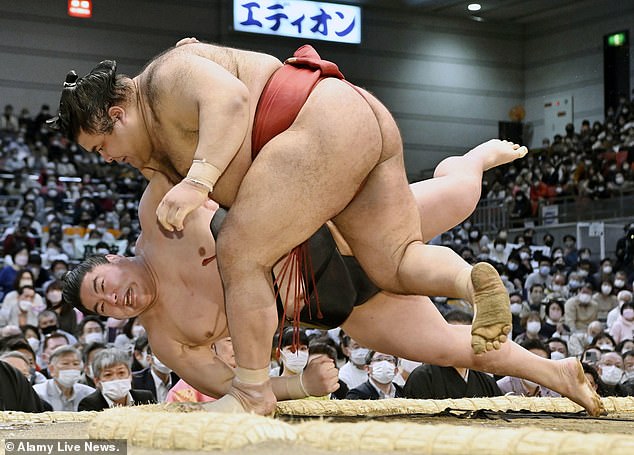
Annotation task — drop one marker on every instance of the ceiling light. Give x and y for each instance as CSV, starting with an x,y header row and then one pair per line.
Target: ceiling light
x,y
474,7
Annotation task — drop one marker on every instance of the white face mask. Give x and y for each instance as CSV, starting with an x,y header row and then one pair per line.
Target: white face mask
x,y
137,330
143,361
25,305
21,260
34,343
55,296
607,269
160,366
584,298
294,362
606,289
606,347
533,326
611,374
68,378
383,371
93,337
116,389
358,356
619,283
556,355
516,308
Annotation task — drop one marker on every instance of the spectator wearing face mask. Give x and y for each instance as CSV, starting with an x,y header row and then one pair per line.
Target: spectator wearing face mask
x,y
558,348
541,276
59,267
579,341
620,281
614,314
91,330
516,270
553,325
581,309
606,300
129,333
18,260
623,328
158,378
611,371
48,323
88,354
381,370
519,309
627,381
293,358
532,324
353,372
558,287
63,391
499,253
441,382
510,385
23,305
605,273
67,316
604,342
113,380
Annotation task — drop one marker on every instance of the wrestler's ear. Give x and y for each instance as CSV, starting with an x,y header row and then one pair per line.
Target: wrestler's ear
x,y
114,258
117,113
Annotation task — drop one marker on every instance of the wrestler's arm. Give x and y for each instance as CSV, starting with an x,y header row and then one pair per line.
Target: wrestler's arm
x,y
207,100
201,368
220,101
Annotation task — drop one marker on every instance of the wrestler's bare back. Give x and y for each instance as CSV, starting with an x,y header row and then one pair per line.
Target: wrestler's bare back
x,y
174,118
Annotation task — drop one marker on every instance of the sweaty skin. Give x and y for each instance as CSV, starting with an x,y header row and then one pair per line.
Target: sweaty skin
x,y
197,101
184,315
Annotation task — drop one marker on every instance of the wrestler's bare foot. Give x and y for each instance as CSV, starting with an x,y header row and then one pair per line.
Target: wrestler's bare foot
x,y
575,386
492,309
250,398
496,153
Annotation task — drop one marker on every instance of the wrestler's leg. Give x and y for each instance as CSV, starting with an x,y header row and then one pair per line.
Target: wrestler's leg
x,y
411,267
411,327
300,179
454,192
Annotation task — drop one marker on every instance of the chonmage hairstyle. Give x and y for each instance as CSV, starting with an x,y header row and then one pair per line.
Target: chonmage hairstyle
x,y
85,101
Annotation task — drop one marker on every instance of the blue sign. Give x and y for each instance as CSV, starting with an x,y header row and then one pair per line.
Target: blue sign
x,y
299,19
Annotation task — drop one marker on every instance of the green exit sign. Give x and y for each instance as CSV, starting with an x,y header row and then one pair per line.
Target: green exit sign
x,y
616,40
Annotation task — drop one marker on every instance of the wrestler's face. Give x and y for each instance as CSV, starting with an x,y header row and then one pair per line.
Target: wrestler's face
x,y
124,144
121,289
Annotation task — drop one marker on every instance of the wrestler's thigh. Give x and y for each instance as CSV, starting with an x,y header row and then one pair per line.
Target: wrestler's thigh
x,y
381,222
304,176
410,327
440,205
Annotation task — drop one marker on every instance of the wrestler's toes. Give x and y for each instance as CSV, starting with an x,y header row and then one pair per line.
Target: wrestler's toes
x,y
477,344
502,338
496,345
489,346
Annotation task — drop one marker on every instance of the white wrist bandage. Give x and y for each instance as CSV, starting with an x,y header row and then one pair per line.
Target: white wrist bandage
x,y
203,173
